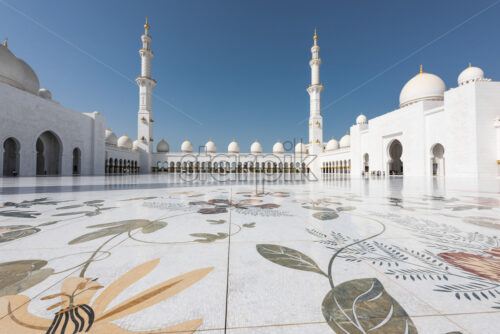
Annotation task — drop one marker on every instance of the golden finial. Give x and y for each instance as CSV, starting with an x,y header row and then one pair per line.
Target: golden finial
x,y
5,41
146,26
470,65
315,35
421,70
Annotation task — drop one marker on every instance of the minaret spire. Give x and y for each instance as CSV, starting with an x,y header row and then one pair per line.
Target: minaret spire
x,y
315,89
146,85
146,27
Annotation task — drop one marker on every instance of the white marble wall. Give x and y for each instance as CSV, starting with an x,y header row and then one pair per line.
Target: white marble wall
x,y
25,116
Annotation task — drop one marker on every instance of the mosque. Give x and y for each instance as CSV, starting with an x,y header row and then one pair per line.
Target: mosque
x,y
435,132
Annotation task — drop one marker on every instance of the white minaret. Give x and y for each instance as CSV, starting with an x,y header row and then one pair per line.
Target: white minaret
x,y
146,85
315,89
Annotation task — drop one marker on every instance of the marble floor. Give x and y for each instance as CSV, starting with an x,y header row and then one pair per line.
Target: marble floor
x,y
162,254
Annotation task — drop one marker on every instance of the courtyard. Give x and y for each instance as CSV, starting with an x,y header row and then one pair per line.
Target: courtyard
x,y
168,254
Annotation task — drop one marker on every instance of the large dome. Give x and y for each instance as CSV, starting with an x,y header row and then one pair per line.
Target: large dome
x,y
233,147
422,87
278,148
300,148
361,119
256,148
210,147
45,94
345,141
332,145
15,72
111,138
187,147
470,74
125,142
135,145
162,146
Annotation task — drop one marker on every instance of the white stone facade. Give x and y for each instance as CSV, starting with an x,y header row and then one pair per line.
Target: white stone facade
x,y
435,132
24,117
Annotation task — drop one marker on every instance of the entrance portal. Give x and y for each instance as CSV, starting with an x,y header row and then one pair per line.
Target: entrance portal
x,y
48,154
76,161
437,160
395,153
10,157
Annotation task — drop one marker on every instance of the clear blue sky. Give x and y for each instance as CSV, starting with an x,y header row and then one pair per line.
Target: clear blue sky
x,y
240,68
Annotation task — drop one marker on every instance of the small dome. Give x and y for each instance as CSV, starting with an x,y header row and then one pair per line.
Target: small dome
x,y
162,146
125,142
470,74
256,147
111,138
45,94
278,148
16,73
345,141
361,119
135,145
233,147
332,144
300,148
187,147
210,147
422,87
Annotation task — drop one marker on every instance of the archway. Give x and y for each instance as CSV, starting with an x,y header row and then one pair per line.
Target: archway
x,y
48,154
77,154
395,163
366,163
437,160
11,157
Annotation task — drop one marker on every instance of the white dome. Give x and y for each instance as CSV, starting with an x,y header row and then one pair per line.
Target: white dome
x,y
332,144
300,148
186,146
256,147
423,86
135,145
278,148
45,94
470,74
111,138
361,119
162,146
15,72
125,142
233,147
345,141
210,147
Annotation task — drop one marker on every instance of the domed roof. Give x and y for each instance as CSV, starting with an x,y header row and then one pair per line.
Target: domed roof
x,y
111,138
135,145
15,72
162,146
278,148
345,141
361,119
470,74
233,147
423,86
300,148
186,146
45,94
332,144
125,142
256,147
210,147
